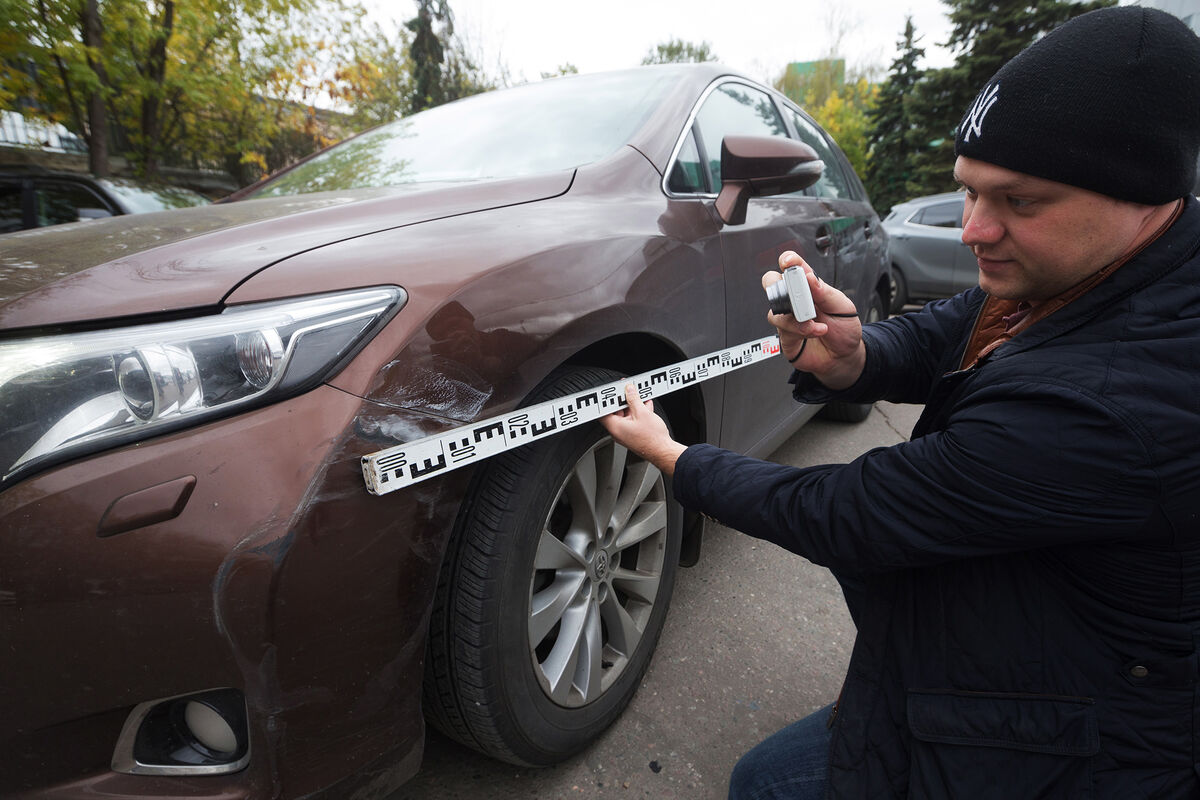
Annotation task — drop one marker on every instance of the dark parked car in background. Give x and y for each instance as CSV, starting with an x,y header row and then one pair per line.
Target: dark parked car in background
x,y
198,596
929,260
35,198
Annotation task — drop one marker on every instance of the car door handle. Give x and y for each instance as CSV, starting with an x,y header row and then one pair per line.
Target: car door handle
x,y
867,231
824,240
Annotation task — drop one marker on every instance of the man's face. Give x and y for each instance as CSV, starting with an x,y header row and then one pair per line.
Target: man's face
x,y
1033,239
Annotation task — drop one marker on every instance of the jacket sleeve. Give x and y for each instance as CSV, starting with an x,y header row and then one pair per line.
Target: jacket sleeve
x,y
927,343
1019,466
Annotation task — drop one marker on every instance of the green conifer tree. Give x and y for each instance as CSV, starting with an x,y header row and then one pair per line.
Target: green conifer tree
x,y
427,51
890,139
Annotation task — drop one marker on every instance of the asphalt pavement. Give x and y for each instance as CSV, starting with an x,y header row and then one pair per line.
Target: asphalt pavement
x,y
756,638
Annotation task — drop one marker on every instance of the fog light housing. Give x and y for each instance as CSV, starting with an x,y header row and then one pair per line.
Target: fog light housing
x,y
195,734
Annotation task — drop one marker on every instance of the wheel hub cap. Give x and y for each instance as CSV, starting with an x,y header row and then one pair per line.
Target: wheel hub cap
x,y
601,568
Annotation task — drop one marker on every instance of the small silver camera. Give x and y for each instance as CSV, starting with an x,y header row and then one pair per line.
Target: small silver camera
x,y
791,295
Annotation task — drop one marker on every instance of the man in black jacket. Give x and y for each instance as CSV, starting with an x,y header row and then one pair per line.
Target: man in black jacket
x,y
1024,573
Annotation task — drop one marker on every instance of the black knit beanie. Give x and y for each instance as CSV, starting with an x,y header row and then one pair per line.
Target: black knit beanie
x,y
1109,101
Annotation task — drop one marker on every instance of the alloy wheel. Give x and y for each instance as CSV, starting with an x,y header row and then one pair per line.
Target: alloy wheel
x,y
599,562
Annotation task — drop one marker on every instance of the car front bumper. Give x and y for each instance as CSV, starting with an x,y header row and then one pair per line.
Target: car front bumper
x,y
245,553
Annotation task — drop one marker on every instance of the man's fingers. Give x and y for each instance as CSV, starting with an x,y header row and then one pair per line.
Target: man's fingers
x,y
636,406
632,400
828,298
790,258
786,322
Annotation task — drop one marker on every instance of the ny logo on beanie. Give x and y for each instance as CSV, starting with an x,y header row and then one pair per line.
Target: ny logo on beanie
x,y
983,104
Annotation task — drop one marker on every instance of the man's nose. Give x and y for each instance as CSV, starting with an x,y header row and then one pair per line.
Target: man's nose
x,y
980,226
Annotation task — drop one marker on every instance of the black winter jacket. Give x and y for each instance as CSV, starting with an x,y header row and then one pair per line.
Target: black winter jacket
x,y
1030,560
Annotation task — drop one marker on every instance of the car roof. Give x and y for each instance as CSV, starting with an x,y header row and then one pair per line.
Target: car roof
x,y
925,200
933,198
38,171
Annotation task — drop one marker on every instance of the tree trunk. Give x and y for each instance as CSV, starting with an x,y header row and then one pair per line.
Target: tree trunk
x,y
152,106
97,112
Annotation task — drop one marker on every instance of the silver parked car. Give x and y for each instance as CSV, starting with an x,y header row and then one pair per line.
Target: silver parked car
x,y
929,259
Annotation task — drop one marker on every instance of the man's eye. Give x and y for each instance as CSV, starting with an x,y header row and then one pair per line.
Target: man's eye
x,y
1019,202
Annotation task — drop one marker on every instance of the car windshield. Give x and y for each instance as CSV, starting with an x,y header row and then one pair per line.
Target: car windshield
x,y
141,198
540,127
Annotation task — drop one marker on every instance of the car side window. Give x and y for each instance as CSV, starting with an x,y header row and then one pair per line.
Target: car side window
x,y
687,174
942,215
833,182
738,110
11,216
57,202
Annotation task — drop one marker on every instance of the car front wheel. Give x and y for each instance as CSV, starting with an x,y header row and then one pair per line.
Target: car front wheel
x,y
553,594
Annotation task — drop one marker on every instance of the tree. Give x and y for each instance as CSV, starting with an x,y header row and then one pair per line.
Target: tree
x,y
463,76
161,71
838,101
988,33
48,63
677,51
890,137
840,106
844,116
427,51
233,84
812,83
563,69
985,34
97,111
241,85
442,70
374,82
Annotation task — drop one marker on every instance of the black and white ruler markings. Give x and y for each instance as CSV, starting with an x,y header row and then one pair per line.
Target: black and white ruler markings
x,y
412,462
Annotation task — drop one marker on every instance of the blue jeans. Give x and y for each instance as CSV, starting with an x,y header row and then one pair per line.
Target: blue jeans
x,y
792,764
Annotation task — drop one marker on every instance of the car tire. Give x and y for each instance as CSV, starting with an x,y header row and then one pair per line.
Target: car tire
x,y
855,412
899,290
553,592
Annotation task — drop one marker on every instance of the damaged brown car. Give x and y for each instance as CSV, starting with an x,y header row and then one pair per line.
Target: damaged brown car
x,y
198,596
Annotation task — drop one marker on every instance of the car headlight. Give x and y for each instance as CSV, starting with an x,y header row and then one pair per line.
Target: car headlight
x,y
66,394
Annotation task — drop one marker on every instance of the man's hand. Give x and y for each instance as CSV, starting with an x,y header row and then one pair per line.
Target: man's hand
x,y
644,432
829,346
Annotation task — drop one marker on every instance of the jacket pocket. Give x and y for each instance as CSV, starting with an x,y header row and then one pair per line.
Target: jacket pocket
x,y
980,745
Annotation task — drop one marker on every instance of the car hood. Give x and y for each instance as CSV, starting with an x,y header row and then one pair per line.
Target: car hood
x,y
194,257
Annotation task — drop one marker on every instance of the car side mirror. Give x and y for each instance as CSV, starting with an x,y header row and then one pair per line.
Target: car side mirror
x,y
760,166
92,213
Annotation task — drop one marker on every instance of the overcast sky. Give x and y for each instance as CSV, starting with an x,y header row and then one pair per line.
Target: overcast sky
x,y
758,37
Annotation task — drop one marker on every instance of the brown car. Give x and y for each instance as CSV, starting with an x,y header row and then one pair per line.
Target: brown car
x,y
198,596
